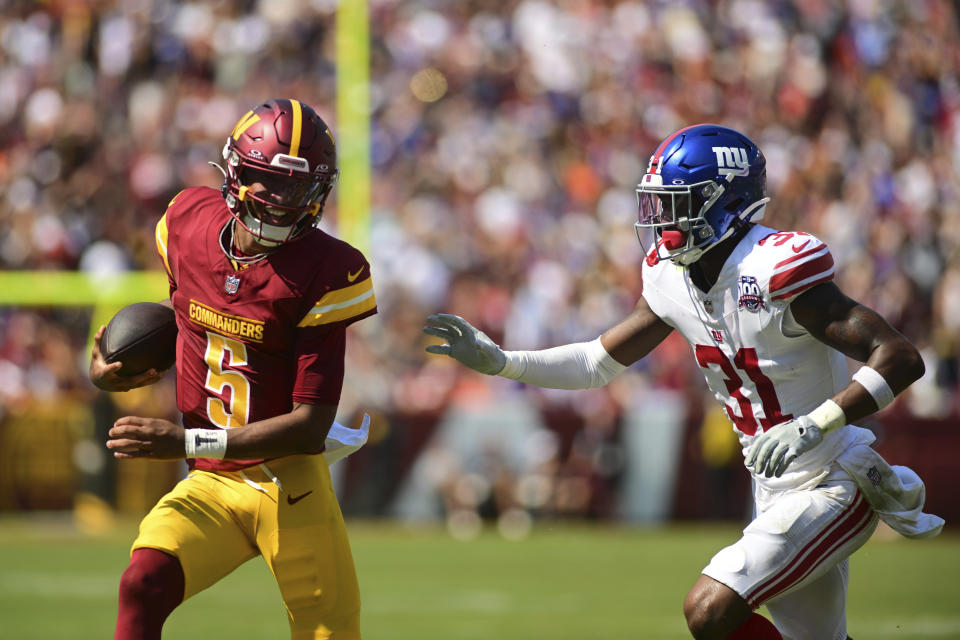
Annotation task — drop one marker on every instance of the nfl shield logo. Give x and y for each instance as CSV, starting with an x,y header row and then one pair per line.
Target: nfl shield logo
x,y
874,476
232,284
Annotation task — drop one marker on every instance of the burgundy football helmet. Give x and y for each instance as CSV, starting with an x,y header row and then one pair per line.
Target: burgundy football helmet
x,y
281,166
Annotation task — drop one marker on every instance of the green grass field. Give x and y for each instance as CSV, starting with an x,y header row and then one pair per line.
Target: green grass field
x,y
561,583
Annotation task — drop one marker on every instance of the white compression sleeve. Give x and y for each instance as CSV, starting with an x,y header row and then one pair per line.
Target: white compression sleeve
x,y
583,365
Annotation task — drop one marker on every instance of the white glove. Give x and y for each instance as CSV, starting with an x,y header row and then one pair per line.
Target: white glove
x,y
465,343
776,448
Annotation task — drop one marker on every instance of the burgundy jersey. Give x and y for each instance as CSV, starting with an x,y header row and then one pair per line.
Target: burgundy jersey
x,y
254,339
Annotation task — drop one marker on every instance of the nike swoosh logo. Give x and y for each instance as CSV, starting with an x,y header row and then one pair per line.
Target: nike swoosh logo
x,y
292,500
353,276
797,249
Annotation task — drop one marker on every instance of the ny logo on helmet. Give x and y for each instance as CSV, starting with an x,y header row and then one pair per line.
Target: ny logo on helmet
x,y
732,161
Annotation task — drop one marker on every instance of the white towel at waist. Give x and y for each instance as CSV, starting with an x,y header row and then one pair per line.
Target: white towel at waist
x,y
896,493
342,441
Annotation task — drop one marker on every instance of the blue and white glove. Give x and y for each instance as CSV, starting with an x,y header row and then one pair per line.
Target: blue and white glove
x,y
776,448
465,343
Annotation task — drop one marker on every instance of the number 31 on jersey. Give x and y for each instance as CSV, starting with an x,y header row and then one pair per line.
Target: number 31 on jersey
x,y
746,360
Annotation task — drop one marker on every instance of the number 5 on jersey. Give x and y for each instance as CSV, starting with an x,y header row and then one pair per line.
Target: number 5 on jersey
x,y
220,378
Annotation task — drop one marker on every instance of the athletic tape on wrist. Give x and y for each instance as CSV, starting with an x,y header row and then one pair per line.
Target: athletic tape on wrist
x,y
828,416
205,443
876,386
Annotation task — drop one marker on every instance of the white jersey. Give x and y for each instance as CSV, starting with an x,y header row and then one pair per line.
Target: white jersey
x,y
758,361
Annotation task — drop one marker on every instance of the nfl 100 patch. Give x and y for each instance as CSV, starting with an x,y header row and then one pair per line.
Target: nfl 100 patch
x,y
751,298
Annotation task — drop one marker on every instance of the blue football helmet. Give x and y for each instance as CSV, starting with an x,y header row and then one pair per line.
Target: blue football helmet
x,y
703,181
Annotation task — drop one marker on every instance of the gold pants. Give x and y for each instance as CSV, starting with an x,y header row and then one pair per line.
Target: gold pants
x,y
285,511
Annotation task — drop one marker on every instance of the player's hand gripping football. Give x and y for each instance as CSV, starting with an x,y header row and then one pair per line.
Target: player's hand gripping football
x,y
134,437
104,374
776,448
465,343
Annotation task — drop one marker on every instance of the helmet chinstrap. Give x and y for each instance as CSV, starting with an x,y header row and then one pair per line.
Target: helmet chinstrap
x,y
227,245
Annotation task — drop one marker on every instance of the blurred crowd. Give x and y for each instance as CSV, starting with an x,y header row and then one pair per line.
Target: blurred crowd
x,y
507,139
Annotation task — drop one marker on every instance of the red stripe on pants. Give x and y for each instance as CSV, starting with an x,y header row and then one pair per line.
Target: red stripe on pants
x,y
845,527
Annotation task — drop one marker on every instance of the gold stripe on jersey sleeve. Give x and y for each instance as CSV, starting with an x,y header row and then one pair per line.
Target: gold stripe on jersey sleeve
x,y
245,123
161,235
297,127
342,304
174,198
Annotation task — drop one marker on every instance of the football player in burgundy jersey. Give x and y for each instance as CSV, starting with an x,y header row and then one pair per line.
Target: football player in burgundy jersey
x,y
262,300
771,332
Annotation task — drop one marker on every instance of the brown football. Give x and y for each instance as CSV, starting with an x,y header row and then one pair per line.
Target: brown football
x,y
142,336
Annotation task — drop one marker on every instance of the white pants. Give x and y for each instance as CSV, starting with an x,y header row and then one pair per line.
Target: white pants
x,y
793,556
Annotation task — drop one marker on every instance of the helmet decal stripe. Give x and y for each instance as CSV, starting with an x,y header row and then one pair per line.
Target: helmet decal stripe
x,y
240,122
656,160
297,127
245,123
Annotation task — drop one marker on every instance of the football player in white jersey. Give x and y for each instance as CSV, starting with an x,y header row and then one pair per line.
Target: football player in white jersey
x,y
771,331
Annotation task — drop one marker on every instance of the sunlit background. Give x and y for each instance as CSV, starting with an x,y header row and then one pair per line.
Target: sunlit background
x,y
505,141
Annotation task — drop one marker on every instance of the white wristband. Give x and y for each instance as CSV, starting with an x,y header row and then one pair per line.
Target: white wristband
x,y
205,443
876,386
828,416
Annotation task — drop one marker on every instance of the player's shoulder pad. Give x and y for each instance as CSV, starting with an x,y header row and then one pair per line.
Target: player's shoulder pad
x,y
790,262
343,288
189,200
168,226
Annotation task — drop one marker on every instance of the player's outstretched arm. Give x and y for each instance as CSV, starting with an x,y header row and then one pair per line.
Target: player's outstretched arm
x,y
581,365
636,335
302,430
892,364
104,375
